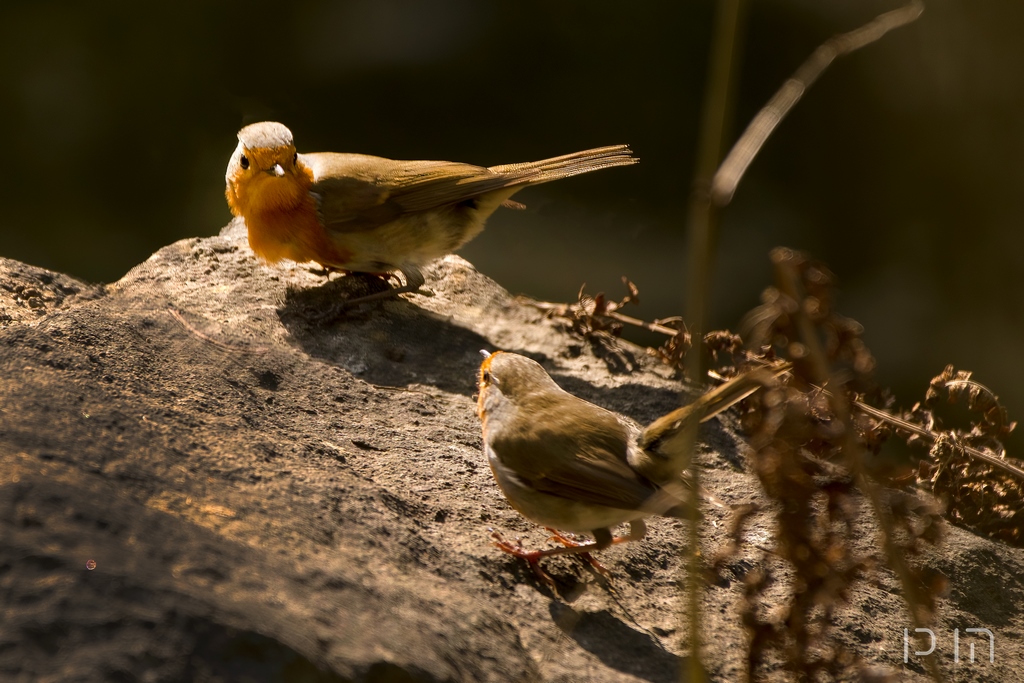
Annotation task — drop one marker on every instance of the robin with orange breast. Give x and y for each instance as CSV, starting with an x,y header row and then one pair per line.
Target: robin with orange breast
x,y
362,213
573,466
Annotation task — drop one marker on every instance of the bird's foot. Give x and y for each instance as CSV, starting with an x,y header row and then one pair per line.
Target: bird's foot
x,y
414,280
325,271
517,550
569,541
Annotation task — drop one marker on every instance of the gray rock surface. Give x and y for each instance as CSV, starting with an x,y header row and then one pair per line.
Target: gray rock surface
x,y
275,490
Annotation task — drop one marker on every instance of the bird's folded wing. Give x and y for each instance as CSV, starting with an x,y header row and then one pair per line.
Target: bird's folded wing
x,y
358,192
573,466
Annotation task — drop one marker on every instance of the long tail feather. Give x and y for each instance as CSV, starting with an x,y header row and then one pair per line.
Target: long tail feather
x,y
566,166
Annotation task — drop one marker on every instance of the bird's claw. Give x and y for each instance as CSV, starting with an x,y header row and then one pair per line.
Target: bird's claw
x,y
568,539
516,549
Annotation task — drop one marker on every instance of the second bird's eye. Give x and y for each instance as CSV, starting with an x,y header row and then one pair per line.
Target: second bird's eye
x,y
244,161
295,159
487,377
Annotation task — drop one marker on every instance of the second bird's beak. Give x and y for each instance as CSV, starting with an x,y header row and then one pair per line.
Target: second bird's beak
x,y
276,170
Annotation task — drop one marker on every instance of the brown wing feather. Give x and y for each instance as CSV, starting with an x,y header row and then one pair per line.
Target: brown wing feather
x,y
598,474
359,192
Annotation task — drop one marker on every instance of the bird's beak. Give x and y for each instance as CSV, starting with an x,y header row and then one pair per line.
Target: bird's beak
x,y
276,170
486,354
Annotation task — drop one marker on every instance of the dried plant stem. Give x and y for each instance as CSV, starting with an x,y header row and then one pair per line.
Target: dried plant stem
x,y
932,436
563,309
702,224
789,284
731,171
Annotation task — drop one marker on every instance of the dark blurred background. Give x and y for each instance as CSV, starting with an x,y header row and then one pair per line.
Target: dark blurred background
x,y
901,168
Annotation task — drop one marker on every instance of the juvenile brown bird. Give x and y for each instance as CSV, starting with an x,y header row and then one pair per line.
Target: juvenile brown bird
x,y
571,465
368,214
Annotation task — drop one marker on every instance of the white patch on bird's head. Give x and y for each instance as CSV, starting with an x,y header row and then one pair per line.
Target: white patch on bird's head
x,y
264,172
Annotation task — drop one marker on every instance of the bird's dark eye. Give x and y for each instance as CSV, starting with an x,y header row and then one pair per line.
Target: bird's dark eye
x,y
486,377
244,161
295,159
